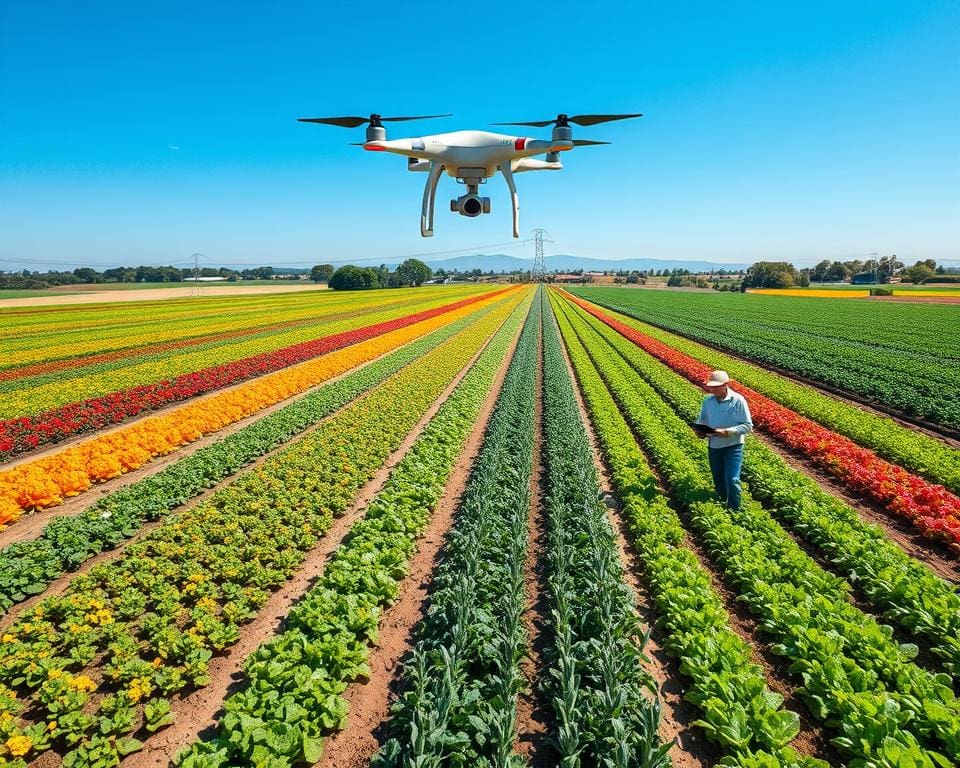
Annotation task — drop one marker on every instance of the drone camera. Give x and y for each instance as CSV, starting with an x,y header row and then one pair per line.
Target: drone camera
x,y
470,205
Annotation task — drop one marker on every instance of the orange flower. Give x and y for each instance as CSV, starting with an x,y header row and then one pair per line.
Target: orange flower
x,y
44,482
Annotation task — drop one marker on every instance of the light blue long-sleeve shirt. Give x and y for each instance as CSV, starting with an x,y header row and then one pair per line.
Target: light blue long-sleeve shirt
x,y
732,411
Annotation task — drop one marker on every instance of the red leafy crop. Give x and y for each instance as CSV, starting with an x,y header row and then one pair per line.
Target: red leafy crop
x,y
931,507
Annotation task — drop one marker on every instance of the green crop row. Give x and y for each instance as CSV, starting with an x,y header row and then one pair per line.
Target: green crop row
x,y
738,711
459,704
904,589
855,676
910,449
899,355
295,681
606,706
27,567
146,625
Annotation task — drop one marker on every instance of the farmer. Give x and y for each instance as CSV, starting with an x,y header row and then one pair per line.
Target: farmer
x,y
729,415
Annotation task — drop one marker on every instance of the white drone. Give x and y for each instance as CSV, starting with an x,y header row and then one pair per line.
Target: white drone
x,y
472,157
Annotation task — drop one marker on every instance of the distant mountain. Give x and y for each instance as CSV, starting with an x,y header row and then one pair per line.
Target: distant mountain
x,y
500,262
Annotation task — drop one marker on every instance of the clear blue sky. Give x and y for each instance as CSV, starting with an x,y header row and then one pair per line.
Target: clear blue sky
x,y
143,132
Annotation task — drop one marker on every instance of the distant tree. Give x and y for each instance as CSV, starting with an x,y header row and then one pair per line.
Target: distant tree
x,y
120,275
351,278
321,273
819,273
383,275
413,272
771,274
804,280
88,275
836,273
675,280
921,271
264,273
633,278
440,275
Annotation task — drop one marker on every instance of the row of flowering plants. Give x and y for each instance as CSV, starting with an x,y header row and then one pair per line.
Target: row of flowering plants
x,y
912,450
902,357
905,590
294,682
26,433
28,566
145,625
84,335
855,677
606,707
461,684
737,709
931,507
46,481
149,365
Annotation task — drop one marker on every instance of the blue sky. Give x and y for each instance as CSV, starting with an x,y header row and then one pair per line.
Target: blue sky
x,y
145,132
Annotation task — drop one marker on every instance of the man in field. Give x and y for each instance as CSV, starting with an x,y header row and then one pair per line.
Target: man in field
x,y
727,417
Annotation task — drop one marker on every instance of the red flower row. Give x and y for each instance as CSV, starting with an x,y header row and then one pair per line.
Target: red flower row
x,y
83,361
931,507
24,434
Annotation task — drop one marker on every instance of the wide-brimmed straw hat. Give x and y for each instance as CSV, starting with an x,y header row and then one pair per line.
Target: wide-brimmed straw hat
x,y
717,379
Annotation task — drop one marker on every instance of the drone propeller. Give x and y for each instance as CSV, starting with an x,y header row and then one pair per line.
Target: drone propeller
x,y
564,120
588,142
354,121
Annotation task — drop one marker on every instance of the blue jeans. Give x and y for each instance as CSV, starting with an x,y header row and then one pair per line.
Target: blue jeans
x,y
725,467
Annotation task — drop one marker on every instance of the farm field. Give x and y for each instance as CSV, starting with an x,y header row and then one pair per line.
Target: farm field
x,y
901,357
471,526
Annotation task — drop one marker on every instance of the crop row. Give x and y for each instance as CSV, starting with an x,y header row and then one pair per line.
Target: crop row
x,y
913,450
34,396
459,706
902,356
737,709
150,620
905,590
46,481
932,508
27,567
91,368
26,433
606,706
295,681
855,676
32,338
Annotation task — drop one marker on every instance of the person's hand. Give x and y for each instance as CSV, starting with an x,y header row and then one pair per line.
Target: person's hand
x,y
724,431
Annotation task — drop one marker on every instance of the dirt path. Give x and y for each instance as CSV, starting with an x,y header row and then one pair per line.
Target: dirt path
x,y
936,555
692,750
533,713
197,711
152,294
369,702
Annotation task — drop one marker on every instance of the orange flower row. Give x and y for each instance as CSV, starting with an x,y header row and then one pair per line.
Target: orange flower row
x,y
47,481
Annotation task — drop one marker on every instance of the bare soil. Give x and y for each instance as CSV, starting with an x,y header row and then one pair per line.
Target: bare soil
x,y
198,711
533,712
369,702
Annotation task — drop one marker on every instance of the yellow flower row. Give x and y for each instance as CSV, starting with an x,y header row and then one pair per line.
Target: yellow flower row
x,y
45,482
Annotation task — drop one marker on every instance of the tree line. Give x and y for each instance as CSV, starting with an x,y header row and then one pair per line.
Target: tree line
x,y
349,277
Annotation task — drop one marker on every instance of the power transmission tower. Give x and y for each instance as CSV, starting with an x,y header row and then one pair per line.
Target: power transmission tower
x,y
539,267
195,289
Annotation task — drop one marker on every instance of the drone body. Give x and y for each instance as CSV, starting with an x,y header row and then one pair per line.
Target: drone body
x,y
472,157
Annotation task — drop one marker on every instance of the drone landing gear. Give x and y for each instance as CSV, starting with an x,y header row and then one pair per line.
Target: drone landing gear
x,y
507,170
429,199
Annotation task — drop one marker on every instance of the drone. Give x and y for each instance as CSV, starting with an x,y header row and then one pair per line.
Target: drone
x,y
472,157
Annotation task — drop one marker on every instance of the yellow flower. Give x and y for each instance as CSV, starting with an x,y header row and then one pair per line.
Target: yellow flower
x,y
53,674
52,725
18,745
8,638
83,683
